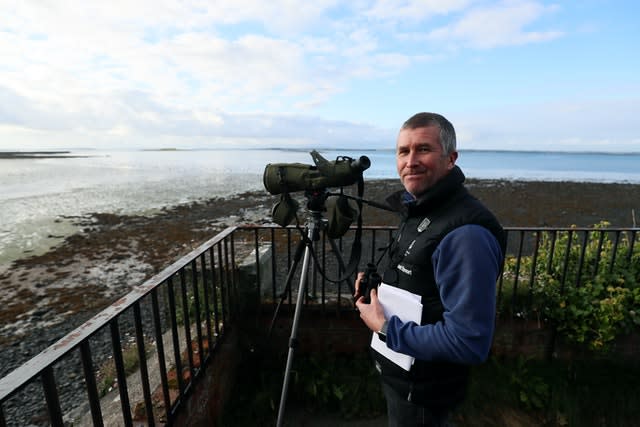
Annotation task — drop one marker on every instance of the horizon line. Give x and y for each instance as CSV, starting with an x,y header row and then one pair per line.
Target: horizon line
x,y
69,150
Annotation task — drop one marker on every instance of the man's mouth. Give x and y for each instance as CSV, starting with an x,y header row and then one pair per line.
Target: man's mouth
x,y
411,175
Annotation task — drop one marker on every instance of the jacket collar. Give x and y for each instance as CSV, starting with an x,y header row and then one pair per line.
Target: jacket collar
x,y
406,203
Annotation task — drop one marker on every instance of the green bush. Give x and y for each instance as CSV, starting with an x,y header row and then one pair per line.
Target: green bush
x,y
590,292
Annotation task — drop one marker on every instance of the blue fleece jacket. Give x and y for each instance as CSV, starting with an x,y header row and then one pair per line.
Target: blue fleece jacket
x,y
466,265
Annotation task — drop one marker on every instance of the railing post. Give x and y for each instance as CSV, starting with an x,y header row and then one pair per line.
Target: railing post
x,y
186,319
51,396
121,372
142,360
174,335
90,380
632,241
160,351
207,307
614,251
214,292
534,264
514,293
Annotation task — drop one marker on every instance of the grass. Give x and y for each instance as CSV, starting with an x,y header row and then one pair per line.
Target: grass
x,y
107,373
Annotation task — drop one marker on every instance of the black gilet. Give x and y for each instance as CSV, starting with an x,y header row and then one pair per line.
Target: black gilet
x,y
425,222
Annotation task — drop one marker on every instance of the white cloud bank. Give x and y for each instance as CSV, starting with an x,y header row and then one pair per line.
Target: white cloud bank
x,y
211,73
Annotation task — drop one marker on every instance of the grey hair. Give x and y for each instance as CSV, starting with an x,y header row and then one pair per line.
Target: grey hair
x,y
447,131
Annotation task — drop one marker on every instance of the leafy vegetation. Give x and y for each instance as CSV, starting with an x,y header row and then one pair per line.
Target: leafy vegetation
x,y
589,290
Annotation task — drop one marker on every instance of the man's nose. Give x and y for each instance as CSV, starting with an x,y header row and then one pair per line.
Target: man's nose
x,y
412,158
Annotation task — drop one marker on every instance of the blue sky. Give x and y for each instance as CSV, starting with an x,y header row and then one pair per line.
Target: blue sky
x,y
513,74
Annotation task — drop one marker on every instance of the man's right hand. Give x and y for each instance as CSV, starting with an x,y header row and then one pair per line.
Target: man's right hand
x,y
372,313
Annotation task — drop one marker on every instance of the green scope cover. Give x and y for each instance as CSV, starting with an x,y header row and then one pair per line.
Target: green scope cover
x,y
290,177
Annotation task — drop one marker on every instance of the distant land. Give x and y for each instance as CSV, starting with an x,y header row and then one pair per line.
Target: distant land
x,y
36,154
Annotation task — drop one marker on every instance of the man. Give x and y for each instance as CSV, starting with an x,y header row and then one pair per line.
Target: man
x,y
449,250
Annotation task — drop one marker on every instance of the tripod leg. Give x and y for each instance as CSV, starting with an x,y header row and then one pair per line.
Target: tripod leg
x,y
296,259
294,329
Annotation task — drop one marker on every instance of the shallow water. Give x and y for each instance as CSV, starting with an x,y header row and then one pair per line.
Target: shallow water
x,y
40,196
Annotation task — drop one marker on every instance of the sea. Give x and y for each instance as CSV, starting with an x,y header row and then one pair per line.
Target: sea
x,y
40,196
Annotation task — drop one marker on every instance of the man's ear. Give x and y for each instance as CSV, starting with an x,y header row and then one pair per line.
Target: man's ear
x,y
452,159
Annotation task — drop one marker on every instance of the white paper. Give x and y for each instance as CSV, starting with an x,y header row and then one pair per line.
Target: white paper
x,y
408,307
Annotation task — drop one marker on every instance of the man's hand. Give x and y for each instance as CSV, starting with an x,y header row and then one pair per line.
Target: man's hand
x,y
372,314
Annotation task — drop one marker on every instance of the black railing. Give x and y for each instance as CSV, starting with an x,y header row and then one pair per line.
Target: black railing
x,y
184,312
176,320
564,257
569,256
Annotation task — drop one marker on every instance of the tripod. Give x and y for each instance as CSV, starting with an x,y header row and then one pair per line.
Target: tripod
x,y
313,231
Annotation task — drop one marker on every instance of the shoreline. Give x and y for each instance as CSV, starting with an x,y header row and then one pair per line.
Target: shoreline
x,y
53,293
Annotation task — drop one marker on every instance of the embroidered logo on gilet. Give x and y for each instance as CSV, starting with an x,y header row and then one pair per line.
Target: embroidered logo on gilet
x,y
404,269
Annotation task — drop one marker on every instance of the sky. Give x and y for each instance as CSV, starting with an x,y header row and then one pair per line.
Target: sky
x,y
510,75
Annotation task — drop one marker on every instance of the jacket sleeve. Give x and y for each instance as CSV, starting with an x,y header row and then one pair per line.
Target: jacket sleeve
x,y
466,266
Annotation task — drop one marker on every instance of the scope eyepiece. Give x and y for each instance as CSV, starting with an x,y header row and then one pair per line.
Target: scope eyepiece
x,y
360,165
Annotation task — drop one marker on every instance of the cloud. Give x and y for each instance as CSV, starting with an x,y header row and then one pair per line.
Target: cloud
x,y
504,24
165,66
197,72
17,110
414,10
569,125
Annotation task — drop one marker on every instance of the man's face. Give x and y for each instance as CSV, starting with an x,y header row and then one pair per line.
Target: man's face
x,y
420,159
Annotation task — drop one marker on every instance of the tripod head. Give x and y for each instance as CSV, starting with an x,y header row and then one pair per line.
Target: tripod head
x,y
316,199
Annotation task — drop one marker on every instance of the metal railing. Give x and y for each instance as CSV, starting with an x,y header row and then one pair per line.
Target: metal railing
x,y
566,257
570,256
178,318
184,312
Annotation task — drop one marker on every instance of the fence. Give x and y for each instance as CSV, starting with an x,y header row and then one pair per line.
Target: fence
x,y
184,312
570,256
168,329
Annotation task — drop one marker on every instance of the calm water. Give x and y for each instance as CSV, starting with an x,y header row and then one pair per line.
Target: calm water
x,y
38,194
